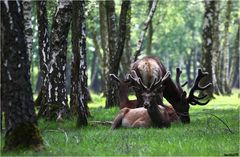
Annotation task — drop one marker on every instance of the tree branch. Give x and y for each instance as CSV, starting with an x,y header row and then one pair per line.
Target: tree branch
x,y
146,24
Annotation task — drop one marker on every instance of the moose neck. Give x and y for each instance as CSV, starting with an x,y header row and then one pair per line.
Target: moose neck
x,y
174,97
157,115
123,93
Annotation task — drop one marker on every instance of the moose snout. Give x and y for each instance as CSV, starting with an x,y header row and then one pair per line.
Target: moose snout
x,y
146,105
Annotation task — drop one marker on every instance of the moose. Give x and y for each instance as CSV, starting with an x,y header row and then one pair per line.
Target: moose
x,y
132,104
145,77
151,114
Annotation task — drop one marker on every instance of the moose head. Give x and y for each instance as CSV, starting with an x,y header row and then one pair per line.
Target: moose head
x,y
185,102
123,93
148,94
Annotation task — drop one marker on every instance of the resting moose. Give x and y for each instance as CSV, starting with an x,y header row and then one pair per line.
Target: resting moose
x,y
132,104
151,114
148,70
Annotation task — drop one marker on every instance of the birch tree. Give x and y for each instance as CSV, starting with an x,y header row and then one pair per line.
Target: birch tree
x,y
146,25
225,78
116,46
56,89
104,43
234,70
79,66
17,100
44,50
207,48
215,47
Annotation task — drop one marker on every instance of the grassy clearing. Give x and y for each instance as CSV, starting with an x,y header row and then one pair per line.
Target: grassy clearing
x,y
206,135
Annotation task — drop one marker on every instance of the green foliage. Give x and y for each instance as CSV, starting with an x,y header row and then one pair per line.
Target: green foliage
x,y
205,135
177,29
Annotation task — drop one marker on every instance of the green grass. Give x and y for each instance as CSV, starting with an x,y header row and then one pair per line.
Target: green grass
x,y
204,136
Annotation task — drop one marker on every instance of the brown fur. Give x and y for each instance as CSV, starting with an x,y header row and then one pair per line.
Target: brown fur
x,y
139,117
171,113
148,69
123,97
126,105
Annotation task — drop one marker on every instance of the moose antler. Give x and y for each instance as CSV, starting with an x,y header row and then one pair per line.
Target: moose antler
x,y
135,79
192,99
138,81
114,77
178,74
161,81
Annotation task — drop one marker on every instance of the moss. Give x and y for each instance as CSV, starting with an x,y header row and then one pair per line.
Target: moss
x,y
26,136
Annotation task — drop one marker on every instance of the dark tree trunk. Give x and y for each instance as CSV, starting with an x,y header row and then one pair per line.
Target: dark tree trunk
x,y
16,92
38,84
188,69
126,58
195,63
104,43
44,50
220,73
226,85
68,77
150,32
115,51
79,66
111,88
208,32
56,86
234,70
96,83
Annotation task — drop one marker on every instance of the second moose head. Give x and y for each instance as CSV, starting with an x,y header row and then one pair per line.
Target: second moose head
x,y
148,93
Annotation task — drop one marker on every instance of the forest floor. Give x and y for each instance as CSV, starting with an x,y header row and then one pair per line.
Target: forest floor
x,y
214,131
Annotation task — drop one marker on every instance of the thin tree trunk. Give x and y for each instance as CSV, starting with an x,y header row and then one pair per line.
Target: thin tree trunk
x,y
94,65
210,9
79,65
16,92
111,87
226,85
188,69
234,70
146,24
116,50
95,82
98,60
216,48
150,31
44,50
68,76
104,43
126,58
38,83
220,73
57,95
